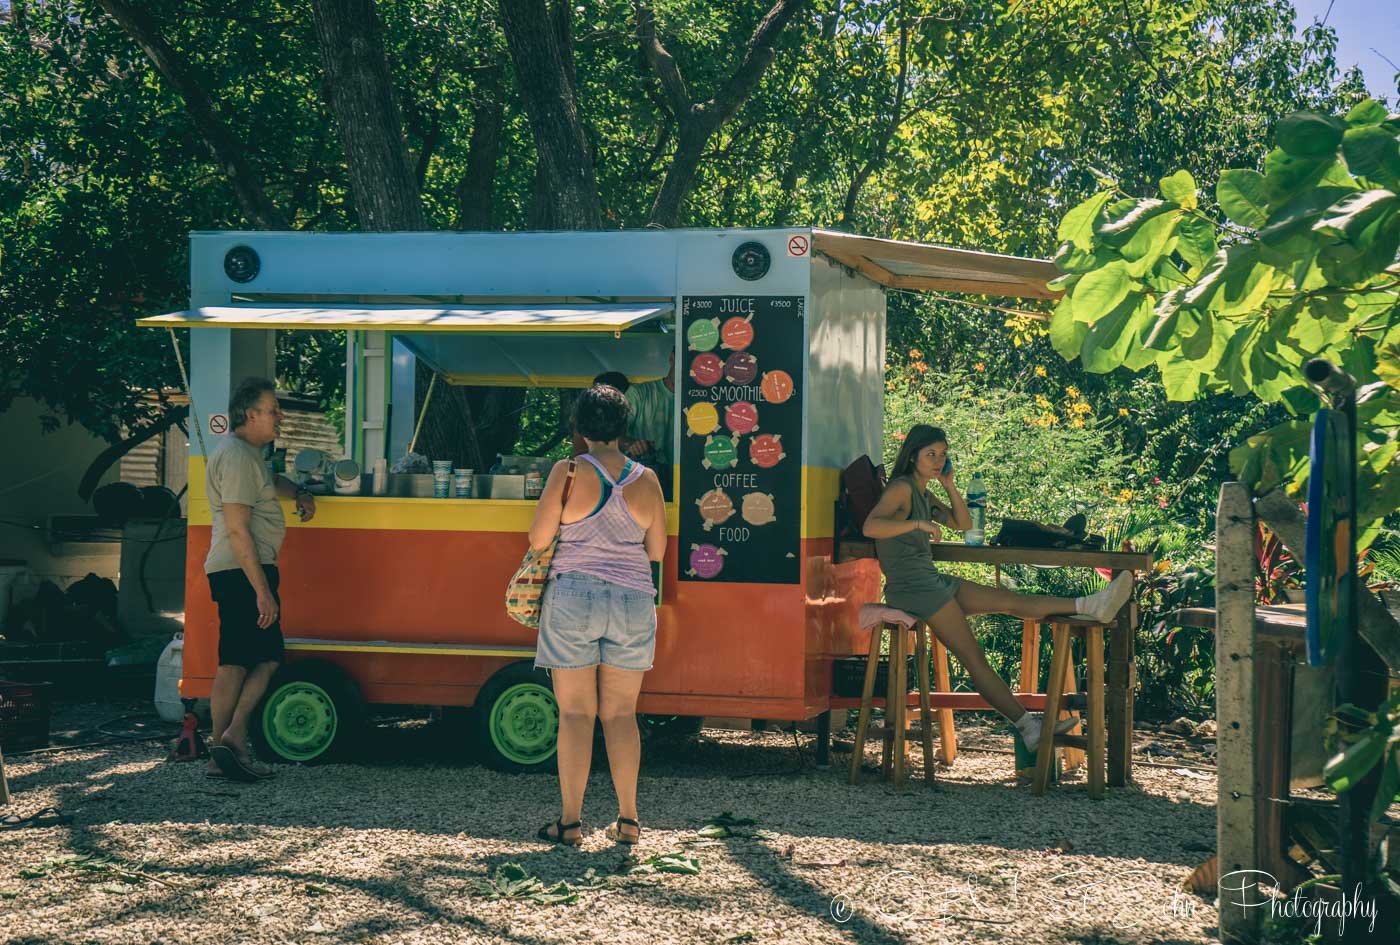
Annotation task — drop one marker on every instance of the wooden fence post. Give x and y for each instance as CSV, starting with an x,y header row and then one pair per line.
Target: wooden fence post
x,y
1236,742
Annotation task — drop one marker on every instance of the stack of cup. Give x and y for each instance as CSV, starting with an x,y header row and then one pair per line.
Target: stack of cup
x,y
442,478
462,483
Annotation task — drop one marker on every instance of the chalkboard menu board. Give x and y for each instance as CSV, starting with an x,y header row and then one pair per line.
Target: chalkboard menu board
x,y
740,491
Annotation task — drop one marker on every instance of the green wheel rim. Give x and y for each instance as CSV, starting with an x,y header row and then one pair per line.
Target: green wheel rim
x,y
300,721
524,724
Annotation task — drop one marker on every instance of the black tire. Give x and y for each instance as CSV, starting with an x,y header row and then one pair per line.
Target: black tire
x,y
516,720
312,713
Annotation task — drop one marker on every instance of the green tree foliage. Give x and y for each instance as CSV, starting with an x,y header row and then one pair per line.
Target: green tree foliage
x,y
1303,266
968,123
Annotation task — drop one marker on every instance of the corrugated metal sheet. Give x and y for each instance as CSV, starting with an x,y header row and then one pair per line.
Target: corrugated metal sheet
x,y
162,460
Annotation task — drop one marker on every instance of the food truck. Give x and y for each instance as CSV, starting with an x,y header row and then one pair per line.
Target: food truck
x,y
779,344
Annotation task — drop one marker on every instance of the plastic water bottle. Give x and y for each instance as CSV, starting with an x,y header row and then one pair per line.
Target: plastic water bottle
x,y
977,508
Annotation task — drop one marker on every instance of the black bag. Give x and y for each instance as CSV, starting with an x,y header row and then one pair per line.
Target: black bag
x,y
862,484
1020,533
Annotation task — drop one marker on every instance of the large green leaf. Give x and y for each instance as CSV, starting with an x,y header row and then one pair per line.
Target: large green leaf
x,y
1166,316
1149,241
1180,188
1110,338
1353,212
1100,291
1067,334
1345,769
1196,241
1372,152
1181,379
1296,218
1369,112
1309,135
1241,194
1124,218
1078,225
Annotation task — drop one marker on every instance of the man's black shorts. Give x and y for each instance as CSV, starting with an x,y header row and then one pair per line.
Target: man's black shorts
x,y
241,641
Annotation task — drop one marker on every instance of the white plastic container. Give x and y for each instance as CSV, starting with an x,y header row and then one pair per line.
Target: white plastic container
x,y
168,667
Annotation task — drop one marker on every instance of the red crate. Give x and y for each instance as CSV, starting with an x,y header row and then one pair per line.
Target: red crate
x,y
24,716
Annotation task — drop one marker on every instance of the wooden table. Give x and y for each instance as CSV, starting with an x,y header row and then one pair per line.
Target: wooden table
x,y
1122,672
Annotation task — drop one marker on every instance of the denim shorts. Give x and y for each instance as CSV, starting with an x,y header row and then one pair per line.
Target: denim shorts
x,y
585,620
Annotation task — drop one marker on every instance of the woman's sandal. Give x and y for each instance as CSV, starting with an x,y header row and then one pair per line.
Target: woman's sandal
x,y
560,828
615,834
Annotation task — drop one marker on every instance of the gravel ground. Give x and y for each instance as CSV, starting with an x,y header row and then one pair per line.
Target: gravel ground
x,y
394,851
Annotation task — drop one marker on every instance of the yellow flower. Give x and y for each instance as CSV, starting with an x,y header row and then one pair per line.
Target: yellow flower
x,y
1125,495
1072,391
1041,400
979,366
1040,372
1122,411
1077,424
915,353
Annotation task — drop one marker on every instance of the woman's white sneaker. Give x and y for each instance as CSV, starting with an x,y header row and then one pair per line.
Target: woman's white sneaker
x,y
1030,724
1103,606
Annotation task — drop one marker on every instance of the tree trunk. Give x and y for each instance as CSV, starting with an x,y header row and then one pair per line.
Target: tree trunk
x,y
478,184
680,177
542,70
226,148
367,115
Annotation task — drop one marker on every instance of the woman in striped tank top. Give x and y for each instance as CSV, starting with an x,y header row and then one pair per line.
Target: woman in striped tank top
x,y
598,617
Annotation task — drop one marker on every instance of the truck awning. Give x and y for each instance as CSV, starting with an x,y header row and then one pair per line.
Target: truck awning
x,y
899,264
612,319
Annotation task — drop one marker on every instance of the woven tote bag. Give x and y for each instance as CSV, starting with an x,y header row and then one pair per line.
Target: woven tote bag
x,y
526,588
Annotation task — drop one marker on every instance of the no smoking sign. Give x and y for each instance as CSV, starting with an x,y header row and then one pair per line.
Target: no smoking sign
x,y
218,423
797,246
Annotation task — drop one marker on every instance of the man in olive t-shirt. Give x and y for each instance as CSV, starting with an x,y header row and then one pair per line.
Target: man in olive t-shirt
x,y
248,527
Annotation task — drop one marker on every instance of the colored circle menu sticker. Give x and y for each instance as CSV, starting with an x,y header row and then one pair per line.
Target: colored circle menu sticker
x,y
777,386
703,335
737,333
758,509
766,451
706,561
707,369
716,508
741,417
702,419
720,453
741,368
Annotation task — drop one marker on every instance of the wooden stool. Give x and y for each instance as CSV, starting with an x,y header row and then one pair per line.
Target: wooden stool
x,y
1061,683
879,620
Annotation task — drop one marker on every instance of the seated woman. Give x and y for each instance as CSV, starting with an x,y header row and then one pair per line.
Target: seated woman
x,y
902,524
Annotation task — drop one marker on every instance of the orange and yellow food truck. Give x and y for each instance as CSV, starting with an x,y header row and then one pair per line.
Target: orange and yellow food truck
x,y
779,344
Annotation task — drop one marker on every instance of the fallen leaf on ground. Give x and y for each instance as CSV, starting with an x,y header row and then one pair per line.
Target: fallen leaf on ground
x,y
677,862
318,889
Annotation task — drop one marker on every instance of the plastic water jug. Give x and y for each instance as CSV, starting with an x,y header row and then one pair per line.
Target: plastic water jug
x,y
977,508
168,704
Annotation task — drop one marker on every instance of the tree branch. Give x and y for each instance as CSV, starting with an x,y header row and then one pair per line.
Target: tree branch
x,y
897,118
698,120
225,147
662,63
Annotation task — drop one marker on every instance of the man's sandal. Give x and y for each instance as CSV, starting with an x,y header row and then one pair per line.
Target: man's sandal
x,y
560,828
615,834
